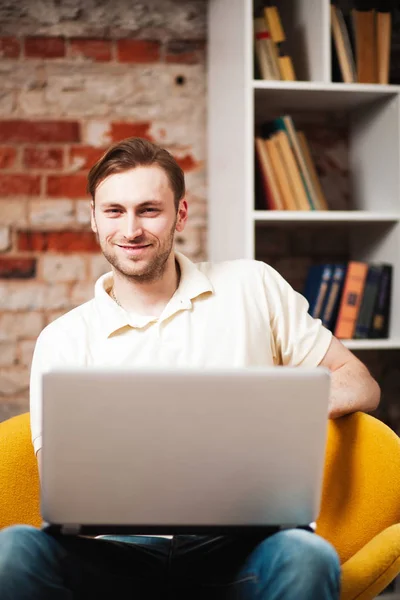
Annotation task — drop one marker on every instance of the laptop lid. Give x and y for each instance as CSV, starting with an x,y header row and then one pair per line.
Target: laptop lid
x,y
170,451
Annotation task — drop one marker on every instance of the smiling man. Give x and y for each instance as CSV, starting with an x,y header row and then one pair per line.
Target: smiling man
x,y
157,308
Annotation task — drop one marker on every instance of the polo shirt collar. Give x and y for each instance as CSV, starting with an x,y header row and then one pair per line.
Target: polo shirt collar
x,y
193,283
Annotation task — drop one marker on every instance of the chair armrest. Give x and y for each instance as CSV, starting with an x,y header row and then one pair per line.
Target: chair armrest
x,y
373,567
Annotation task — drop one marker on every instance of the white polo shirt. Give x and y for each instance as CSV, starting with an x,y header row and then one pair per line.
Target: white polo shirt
x,y
239,313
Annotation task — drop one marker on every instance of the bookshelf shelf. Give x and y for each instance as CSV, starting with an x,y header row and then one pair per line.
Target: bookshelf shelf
x,y
238,104
330,216
287,96
390,344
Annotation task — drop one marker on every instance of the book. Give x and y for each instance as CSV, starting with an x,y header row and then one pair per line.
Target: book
x,y
272,192
383,40
368,302
284,61
316,287
343,46
350,302
333,296
286,122
364,27
381,314
292,170
264,49
322,203
274,151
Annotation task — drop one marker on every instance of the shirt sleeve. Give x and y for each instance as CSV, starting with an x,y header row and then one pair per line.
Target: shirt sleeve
x,y
46,356
298,338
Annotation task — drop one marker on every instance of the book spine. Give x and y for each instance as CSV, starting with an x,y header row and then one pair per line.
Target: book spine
x,y
351,300
382,309
368,302
332,304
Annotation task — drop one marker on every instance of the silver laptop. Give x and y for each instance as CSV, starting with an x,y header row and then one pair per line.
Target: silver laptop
x,y
183,451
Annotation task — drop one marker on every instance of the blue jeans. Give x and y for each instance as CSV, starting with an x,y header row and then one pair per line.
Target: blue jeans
x,y
295,563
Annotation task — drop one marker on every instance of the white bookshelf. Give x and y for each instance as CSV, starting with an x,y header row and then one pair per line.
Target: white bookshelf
x,y
238,102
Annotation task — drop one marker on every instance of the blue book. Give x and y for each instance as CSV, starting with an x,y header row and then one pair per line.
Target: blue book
x,y
333,296
316,287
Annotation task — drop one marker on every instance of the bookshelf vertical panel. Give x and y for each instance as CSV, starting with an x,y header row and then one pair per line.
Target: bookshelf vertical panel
x,y
375,156
230,129
307,27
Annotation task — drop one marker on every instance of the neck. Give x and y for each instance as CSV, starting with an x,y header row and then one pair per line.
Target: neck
x,y
147,297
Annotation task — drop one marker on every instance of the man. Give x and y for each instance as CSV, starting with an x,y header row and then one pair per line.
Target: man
x,y
157,308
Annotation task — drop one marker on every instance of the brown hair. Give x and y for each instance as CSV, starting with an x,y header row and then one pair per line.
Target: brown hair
x,y
135,152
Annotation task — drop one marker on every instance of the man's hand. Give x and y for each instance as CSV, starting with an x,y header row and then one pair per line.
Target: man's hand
x,y
352,386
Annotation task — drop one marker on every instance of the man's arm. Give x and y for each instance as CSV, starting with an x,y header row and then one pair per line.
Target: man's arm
x,y
352,386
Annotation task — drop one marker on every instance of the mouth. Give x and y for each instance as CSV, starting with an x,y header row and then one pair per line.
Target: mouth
x,y
134,250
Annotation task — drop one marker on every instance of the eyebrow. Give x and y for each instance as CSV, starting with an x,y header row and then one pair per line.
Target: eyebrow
x,y
140,205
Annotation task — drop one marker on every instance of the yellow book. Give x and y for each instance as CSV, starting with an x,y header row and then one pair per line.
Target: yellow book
x,y
282,179
294,176
323,205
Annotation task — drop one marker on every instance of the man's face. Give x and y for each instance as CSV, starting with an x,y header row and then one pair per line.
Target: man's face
x,y
135,220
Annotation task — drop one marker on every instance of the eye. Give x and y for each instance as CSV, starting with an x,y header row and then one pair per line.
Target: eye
x,y
113,211
151,210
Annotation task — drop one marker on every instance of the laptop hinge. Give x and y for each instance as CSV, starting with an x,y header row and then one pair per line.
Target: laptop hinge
x,y
70,529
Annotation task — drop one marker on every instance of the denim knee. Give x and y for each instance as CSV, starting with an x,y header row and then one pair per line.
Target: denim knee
x,y
309,555
25,550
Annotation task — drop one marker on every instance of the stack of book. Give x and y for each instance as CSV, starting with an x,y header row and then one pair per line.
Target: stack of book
x,y
286,172
352,300
272,60
361,42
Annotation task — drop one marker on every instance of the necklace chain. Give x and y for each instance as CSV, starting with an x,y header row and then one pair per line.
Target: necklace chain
x,y
114,297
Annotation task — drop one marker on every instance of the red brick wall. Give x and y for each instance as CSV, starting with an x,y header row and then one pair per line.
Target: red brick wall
x,y
66,100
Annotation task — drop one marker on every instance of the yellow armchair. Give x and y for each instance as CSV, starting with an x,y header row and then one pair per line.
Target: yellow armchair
x,y
360,512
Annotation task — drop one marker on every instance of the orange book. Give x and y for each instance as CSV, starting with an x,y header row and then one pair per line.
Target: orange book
x,y
293,173
271,188
350,302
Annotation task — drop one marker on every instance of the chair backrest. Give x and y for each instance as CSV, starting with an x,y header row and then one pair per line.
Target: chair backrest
x,y
19,477
361,491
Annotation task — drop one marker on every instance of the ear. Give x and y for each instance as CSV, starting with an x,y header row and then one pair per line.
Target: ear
x,y
182,215
92,217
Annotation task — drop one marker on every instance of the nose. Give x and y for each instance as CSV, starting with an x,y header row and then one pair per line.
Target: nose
x,y
133,228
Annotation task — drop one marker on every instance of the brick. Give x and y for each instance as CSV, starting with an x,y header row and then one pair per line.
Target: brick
x,y
13,381
98,265
5,239
138,51
83,212
121,130
63,268
66,186
189,242
14,326
15,295
95,49
84,157
42,158
7,157
9,47
51,214
81,293
188,52
57,241
19,130
44,47
25,352
17,268
13,407
13,213
187,162
97,133
8,354
19,184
